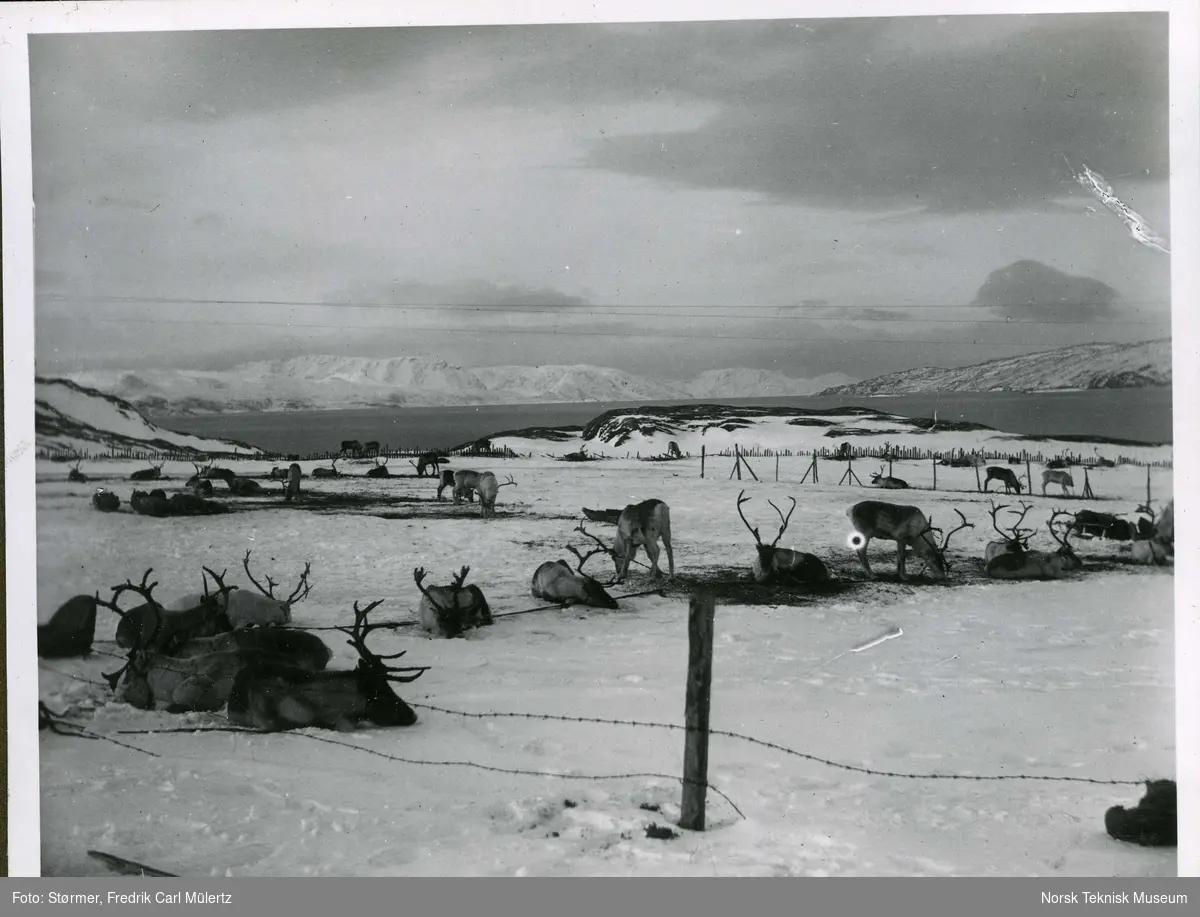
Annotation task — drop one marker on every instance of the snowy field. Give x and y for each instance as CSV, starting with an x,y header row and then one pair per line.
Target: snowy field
x,y
1061,679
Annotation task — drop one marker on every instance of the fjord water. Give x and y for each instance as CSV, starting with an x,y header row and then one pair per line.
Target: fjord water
x,y
1142,414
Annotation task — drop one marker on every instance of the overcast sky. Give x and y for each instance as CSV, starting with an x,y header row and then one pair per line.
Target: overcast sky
x,y
811,196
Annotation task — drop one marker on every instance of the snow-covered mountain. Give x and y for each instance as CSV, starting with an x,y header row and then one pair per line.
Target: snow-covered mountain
x,y
1085,366
318,382
73,418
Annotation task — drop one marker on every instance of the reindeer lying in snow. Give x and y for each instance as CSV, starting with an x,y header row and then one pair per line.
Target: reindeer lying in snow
x,y
380,470
1012,559
273,696
555,582
448,611
905,525
774,562
105,500
70,630
249,609
153,473
75,475
176,669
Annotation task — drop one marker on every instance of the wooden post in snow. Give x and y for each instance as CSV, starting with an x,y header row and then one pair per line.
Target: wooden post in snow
x,y
701,611
776,467
702,460
934,460
1147,485
978,485
1028,473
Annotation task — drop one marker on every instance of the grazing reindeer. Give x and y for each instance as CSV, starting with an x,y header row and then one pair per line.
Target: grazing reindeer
x,y
351,447
76,476
153,473
371,449
330,472
274,697
1005,476
279,474
194,674
446,480
152,627
879,479
379,471
465,484
643,524
150,504
774,562
1025,564
291,490
1056,476
673,450
429,462
106,501
905,525
448,611
70,630
1016,539
488,488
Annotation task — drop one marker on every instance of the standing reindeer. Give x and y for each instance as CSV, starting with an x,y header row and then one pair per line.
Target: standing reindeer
x,y
76,476
153,473
774,562
905,525
448,611
275,697
379,471
446,480
1053,475
291,490
879,479
465,484
643,524
1005,476
488,488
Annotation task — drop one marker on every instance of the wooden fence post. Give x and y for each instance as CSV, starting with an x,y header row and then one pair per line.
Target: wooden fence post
x,y
978,485
1147,485
702,460
934,472
701,611
1028,473
776,467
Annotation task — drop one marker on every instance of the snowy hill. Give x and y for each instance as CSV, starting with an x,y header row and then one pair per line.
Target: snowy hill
x,y
72,417
321,382
1086,366
648,431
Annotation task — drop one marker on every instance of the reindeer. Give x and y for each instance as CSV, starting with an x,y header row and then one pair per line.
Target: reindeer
x,y
202,488
76,476
153,473
1016,539
465,484
1053,475
153,503
774,562
1005,476
1025,564
488,488
304,649
155,628
371,449
278,474
70,630
446,480
243,487
429,461
274,697
1058,463
330,472
351,447
185,504
199,674
291,490
202,473
905,525
673,450
1156,537
643,524
1091,524
379,471
879,479
249,609
105,500
448,611
556,582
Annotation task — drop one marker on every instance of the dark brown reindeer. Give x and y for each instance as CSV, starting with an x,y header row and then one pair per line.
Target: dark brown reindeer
x,y
105,500
380,470
153,473
187,672
76,476
446,480
772,562
291,490
153,627
448,611
1005,476
153,503
905,525
274,697
70,630
429,462
879,479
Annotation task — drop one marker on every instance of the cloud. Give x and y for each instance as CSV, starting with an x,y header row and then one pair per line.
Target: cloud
x,y
1030,289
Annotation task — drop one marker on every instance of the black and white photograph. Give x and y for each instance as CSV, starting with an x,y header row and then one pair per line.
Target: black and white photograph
x,y
496,443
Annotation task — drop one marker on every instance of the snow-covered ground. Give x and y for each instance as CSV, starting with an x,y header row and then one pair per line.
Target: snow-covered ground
x,y
1062,679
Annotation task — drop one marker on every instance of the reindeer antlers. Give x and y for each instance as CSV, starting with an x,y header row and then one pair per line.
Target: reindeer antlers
x,y
1060,533
298,594
459,579
1016,535
358,632
783,519
601,548
508,482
